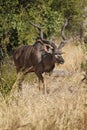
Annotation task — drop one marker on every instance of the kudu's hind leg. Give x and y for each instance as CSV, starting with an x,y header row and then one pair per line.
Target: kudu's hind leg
x,y
16,85
19,80
21,76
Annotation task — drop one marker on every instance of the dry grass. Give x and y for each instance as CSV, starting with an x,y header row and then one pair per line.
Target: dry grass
x,y
74,56
64,108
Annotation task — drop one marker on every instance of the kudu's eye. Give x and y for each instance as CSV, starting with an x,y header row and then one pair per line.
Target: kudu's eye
x,y
57,55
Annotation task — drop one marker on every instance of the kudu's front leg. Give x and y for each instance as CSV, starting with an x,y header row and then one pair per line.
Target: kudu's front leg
x,y
42,85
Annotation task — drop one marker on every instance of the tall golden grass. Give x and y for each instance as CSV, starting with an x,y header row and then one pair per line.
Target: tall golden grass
x,y
64,108
74,56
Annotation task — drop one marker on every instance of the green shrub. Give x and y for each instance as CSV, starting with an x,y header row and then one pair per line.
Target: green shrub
x,y
7,77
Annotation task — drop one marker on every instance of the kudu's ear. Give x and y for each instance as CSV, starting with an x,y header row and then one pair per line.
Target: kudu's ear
x,y
48,48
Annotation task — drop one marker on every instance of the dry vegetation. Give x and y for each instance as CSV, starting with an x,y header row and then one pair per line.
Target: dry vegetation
x,y
64,108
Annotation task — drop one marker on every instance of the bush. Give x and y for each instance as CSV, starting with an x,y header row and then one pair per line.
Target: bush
x,y
7,77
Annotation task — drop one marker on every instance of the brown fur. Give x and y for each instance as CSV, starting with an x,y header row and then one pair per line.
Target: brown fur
x,y
36,58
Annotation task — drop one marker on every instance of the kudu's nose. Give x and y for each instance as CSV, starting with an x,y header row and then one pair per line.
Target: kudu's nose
x,y
62,61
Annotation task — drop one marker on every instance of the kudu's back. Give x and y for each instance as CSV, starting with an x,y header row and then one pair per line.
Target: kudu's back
x,y
22,57
29,56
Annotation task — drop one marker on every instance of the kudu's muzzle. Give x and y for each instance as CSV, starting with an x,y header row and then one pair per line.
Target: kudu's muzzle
x,y
59,59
